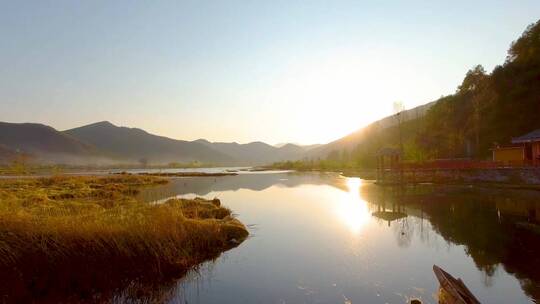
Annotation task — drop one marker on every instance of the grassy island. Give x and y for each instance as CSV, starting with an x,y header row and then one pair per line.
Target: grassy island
x,y
88,234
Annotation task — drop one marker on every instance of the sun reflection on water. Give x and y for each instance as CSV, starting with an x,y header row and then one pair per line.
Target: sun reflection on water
x,y
352,209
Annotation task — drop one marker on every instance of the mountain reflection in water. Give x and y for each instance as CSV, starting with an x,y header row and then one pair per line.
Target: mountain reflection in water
x,y
486,225
323,238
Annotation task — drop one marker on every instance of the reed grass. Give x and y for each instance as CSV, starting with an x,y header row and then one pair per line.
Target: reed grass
x,y
90,233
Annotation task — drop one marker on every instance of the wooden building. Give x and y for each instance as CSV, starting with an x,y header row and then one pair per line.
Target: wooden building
x,y
524,150
531,147
510,155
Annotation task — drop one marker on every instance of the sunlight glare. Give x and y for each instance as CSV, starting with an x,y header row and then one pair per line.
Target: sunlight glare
x,y
353,211
336,88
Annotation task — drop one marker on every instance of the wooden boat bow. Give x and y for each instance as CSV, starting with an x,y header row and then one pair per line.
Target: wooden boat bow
x,y
456,290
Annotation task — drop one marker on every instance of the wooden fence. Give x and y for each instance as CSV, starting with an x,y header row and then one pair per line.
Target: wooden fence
x,y
462,164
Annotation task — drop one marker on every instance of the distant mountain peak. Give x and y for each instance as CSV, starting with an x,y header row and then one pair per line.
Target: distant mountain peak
x,y
258,143
202,140
104,123
279,145
40,140
290,145
26,124
133,144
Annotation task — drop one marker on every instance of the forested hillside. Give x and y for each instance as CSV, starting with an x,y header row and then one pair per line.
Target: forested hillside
x,y
487,108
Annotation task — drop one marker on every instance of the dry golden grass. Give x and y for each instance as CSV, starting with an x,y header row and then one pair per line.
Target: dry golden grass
x,y
88,231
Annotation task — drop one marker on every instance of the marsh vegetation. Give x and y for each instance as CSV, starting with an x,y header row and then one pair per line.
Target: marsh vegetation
x,y
90,236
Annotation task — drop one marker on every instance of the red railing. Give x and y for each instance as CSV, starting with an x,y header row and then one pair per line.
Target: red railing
x,y
450,164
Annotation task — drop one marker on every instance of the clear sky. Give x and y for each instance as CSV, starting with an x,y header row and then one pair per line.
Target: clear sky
x,y
275,71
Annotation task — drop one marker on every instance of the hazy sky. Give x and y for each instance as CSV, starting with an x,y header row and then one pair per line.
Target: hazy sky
x,y
276,71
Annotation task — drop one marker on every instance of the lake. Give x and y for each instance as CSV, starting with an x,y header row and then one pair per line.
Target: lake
x,y
324,238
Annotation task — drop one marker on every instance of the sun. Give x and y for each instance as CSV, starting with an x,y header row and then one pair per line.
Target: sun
x,y
333,95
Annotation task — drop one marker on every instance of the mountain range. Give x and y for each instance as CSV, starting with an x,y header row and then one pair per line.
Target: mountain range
x,y
106,143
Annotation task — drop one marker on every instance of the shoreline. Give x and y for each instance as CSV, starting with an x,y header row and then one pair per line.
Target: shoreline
x,y
181,174
91,234
501,178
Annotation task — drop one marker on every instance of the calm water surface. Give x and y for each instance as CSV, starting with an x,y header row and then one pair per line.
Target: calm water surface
x,y
322,238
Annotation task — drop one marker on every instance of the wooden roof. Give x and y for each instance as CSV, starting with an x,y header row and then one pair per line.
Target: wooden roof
x,y
527,138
